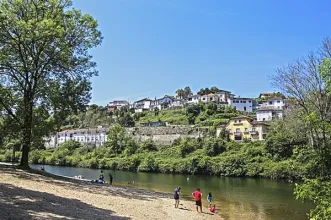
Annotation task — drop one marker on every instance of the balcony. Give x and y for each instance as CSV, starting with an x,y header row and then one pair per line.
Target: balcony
x,y
254,132
237,133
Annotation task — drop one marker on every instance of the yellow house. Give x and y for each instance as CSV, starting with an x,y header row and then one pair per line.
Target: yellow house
x,y
243,127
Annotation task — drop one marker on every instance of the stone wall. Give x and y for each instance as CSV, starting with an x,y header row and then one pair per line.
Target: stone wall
x,y
166,135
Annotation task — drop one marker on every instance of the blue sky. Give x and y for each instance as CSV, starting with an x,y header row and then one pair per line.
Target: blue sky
x,y
154,47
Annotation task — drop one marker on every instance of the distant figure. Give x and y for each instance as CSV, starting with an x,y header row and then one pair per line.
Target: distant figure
x,y
209,199
213,209
101,177
42,168
110,179
197,196
176,196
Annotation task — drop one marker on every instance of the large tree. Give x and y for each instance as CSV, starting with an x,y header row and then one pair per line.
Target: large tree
x,y
44,61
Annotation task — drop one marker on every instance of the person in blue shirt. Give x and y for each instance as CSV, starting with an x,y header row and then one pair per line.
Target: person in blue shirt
x,y
209,199
176,196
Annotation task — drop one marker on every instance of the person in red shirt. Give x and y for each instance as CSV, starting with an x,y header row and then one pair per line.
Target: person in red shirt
x,y
197,196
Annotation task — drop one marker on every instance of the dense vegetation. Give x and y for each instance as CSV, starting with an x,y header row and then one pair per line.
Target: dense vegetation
x,y
200,114
45,66
210,156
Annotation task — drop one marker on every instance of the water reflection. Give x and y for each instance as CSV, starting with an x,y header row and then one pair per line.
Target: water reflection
x,y
235,198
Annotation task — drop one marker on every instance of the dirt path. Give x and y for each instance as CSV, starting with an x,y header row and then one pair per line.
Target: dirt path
x,y
26,195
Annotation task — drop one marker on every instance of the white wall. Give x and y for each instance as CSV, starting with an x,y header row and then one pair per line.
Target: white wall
x,y
242,104
195,100
264,115
277,103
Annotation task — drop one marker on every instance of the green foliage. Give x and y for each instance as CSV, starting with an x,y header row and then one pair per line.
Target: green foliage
x,y
214,146
46,64
118,139
186,146
148,145
317,192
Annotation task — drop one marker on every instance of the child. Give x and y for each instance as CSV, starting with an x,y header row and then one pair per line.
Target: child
x,y
209,199
213,209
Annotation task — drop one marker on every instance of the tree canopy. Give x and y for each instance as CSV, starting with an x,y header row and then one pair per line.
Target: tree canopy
x,y
45,65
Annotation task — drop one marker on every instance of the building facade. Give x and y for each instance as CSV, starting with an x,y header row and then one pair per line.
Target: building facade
x,y
243,104
194,99
269,114
91,136
276,103
243,127
162,103
142,105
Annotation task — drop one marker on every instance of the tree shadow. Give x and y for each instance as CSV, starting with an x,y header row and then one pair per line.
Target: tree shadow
x,y
19,203
95,188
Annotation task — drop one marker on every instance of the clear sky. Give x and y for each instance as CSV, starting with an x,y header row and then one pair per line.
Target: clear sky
x,y
153,47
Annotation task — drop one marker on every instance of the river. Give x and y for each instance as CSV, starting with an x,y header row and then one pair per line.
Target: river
x,y
235,198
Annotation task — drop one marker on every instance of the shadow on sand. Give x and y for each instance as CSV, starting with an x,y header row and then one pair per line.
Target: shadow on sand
x,y
18,203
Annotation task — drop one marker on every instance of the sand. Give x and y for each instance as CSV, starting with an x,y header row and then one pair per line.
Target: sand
x,y
25,195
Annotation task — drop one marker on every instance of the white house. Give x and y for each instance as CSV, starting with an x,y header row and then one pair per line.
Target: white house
x,y
269,113
209,98
193,99
90,136
277,103
162,103
224,96
243,104
117,104
142,105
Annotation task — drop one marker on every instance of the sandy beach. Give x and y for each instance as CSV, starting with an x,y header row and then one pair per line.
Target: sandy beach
x,y
25,195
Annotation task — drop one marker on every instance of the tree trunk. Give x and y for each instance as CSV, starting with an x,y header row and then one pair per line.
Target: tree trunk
x,y
27,132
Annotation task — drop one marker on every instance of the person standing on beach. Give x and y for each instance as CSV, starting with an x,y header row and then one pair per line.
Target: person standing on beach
x,y
209,199
110,179
101,177
197,196
176,196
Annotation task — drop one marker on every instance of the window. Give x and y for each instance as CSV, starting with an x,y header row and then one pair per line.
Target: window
x,y
82,139
270,103
239,121
229,130
241,101
249,101
244,101
263,119
238,130
203,98
253,129
245,108
246,129
278,101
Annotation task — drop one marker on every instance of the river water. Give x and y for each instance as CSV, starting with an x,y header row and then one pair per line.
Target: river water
x,y
235,198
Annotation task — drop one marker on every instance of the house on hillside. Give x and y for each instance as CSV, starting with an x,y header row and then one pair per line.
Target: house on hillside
x,y
91,136
224,96
162,103
209,98
277,103
142,105
243,104
243,127
117,104
269,113
194,99
178,103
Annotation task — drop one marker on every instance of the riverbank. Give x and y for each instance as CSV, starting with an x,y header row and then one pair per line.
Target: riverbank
x,y
34,196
